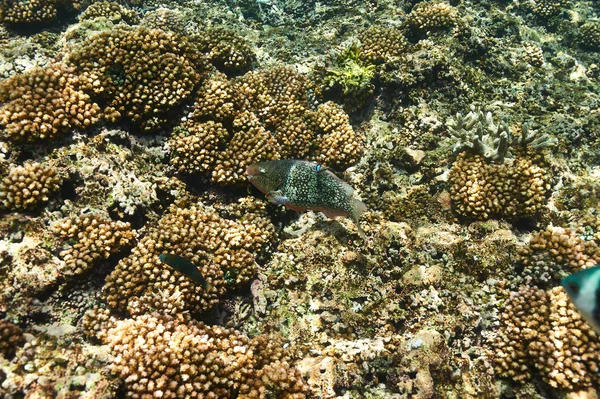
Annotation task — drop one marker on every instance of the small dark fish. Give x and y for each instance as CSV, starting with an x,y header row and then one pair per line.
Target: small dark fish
x,y
306,186
185,267
583,288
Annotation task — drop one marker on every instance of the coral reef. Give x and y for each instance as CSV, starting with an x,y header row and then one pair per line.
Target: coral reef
x,y
226,50
11,338
380,44
110,10
549,8
223,251
95,238
31,12
138,74
44,103
542,333
270,118
589,35
433,15
28,186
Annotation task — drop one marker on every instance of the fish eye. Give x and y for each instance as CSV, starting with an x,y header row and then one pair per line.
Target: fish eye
x,y
318,167
573,286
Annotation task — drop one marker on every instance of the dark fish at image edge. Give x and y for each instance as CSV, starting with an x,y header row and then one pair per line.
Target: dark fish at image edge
x,y
583,288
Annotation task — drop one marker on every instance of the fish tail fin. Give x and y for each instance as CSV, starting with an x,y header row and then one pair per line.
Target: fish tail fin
x,y
358,207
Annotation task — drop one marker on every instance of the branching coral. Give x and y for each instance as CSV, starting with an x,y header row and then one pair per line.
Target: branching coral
x,y
111,10
549,8
44,103
262,115
163,356
589,35
542,332
28,186
226,50
432,15
17,12
381,45
139,74
96,238
223,251
11,337
556,252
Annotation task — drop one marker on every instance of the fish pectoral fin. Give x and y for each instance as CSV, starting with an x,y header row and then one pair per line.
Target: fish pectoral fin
x,y
277,197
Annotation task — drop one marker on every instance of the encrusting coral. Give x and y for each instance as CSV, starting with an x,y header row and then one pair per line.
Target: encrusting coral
x,y
44,103
139,74
174,357
96,238
261,115
223,251
28,186
542,333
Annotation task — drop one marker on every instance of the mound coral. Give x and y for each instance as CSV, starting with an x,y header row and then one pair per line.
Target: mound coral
x,y
28,186
96,238
44,103
17,12
428,16
163,356
381,45
226,50
111,10
549,8
11,337
589,35
223,251
542,332
556,252
139,74
261,115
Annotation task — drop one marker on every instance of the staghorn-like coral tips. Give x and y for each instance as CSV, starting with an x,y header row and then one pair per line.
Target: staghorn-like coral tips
x,y
139,74
381,45
174,357
222,250
542,333
28,186
111,10
44,103
11,337
261,116
96,237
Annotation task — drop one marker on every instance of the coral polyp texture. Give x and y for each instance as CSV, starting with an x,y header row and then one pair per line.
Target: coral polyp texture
x,y
380,44
96,238
556,252
44,103
11,338
138,74
24,12
110,10
173,357
433,15
589,35
222,250
481,190
541,333
226,50
28,186
260,116
550,8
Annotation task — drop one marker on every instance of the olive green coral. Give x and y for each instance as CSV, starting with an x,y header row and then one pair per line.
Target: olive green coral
x,y
589,35
139,74
44,103
28,186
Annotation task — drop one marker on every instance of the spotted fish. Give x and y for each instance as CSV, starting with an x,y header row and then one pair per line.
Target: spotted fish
x,y
583,288
306,186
